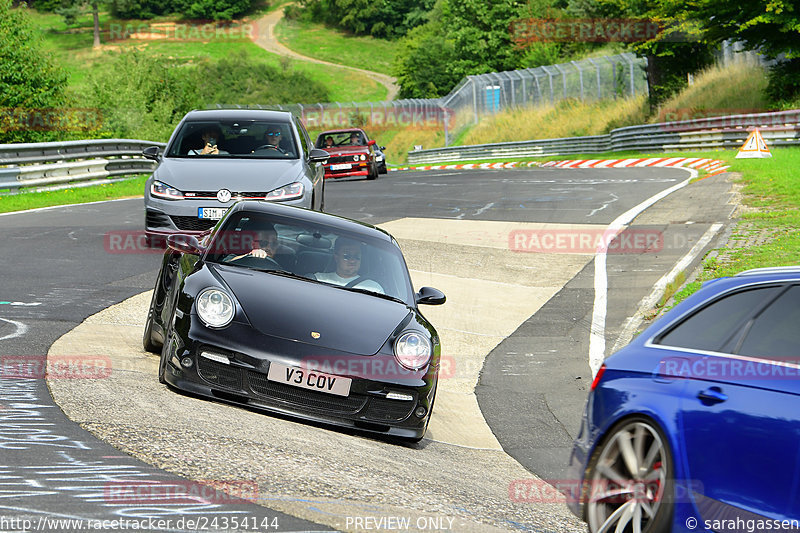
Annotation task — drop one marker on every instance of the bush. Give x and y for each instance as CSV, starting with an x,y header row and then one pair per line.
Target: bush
x,y
784,82
240,79
212,9
139,9
365,17
146,97
29,79
149,93
193,9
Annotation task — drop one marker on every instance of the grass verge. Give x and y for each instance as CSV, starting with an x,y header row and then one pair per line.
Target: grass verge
x,y
71,47
567,118
320,42
31,200
766,235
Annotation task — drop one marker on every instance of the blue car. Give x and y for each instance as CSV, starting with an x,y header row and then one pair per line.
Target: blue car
x,y
695,425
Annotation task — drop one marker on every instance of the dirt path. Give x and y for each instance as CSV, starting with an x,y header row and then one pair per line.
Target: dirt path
x,y
265,38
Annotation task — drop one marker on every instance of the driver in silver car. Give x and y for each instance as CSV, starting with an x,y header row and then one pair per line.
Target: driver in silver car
x,y
272,139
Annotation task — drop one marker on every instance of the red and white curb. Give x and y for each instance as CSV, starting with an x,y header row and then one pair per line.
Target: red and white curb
x,y
468,166
711,166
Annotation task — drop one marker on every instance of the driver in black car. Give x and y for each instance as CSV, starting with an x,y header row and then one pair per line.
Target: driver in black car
x,y
264,245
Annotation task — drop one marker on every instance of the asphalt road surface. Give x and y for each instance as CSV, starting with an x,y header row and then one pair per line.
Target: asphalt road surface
x,y
59,268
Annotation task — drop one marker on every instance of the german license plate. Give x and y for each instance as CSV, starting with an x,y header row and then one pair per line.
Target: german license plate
x,y
211,213
341,166
309,379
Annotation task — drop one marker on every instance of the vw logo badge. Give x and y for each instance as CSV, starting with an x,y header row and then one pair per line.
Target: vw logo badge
x,y
315,335
224,196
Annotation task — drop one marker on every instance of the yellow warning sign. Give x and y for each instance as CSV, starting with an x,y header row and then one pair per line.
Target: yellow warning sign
x,y
754,146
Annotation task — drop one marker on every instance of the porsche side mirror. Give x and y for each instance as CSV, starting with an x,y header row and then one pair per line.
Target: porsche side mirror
x,y
371,143
151,152
186,244
383,148
318,156
430,296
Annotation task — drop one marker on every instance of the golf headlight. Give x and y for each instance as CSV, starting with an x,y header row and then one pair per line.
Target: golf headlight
x,y
162,190
412,350
287,192
215,308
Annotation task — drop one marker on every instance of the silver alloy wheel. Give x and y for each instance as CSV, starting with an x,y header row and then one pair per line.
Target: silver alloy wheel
x,y
627,483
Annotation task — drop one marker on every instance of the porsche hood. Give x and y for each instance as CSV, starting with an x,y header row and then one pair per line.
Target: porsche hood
x,y
331,318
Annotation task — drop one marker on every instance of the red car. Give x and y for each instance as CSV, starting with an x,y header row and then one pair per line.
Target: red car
x,y
352,153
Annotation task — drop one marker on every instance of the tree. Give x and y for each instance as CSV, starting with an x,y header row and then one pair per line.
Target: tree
x,y
768,26
462,37
423,63
71,9
771,27
30,81
211,9
379,18
673,54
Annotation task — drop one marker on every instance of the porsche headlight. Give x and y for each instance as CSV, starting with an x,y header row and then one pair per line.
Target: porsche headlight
x,y
287,192
363,157
412,350
162,190
355,157
215,308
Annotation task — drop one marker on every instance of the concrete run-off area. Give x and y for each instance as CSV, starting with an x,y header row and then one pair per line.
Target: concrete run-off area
x,y
458,478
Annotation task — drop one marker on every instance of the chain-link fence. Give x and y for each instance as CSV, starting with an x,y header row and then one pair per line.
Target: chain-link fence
x,y
599,78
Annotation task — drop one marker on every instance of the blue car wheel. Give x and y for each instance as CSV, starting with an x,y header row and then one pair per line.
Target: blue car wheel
x,y
628,485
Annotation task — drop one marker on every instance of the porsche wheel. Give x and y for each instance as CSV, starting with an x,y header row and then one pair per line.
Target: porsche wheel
x,y
162,362
629,484
148,343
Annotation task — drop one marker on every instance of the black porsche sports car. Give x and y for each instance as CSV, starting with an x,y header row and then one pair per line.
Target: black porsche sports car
x,y
301,313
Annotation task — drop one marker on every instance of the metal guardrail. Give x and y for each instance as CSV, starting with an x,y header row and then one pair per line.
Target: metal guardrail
x,y
72,161
778,129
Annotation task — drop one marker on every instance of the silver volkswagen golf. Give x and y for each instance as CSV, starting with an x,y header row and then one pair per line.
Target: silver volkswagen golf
x,y
215,158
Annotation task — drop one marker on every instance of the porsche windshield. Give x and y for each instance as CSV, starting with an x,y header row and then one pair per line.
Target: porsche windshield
x,y
243,139
313,252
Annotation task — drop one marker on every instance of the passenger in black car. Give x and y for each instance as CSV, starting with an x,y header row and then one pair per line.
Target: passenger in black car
x,y
347,254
